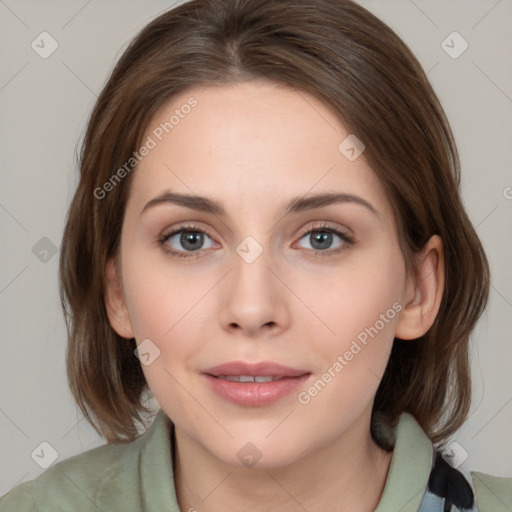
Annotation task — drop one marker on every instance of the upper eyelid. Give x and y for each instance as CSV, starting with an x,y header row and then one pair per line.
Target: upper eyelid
x,y
166,234
305,230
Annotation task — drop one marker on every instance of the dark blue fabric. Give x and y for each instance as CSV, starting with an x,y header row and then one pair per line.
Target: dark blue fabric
x,y
448,490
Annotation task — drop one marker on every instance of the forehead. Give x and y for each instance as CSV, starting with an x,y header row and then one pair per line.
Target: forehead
x,y
249,141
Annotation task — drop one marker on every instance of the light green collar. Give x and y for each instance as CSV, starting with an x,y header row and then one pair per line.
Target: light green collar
x,y
410,468
157,477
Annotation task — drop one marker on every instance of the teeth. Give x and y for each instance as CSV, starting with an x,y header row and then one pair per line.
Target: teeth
x,y
264,379
247,378
232,378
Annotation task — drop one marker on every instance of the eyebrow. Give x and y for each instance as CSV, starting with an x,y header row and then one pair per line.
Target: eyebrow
x,y
295,205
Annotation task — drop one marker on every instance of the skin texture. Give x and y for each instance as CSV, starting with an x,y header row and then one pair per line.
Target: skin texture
x,y
253,146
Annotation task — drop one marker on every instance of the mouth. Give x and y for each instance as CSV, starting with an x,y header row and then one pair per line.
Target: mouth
x,y
266,369
254,385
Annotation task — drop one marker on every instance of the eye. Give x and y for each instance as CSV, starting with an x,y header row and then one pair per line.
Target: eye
x,y
185,240
322,238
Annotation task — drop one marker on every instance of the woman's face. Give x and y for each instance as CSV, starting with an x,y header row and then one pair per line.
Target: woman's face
x,y
288,267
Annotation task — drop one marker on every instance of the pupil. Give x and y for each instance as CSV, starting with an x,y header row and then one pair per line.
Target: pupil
x,y
191,240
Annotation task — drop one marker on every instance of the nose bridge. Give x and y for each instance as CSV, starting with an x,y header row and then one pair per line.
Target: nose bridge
x,y
254,298
251,274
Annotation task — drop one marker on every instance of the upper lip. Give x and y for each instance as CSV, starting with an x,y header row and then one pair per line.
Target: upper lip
x,y
262,369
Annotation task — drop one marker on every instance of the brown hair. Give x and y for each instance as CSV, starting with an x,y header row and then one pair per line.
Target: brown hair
x,y
343,55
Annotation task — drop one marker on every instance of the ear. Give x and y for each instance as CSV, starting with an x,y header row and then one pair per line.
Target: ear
x,y
424,292
114,301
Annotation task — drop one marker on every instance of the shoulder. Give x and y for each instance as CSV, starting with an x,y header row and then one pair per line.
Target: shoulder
x,y
493,493
77,483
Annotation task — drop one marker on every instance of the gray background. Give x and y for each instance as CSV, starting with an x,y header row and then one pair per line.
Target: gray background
x,y
44,104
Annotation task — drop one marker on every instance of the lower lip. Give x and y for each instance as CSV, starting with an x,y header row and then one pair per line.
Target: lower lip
x,y
255,394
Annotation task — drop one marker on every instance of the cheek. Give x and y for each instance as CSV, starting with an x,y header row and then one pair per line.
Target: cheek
x,y
169,308
168,311
361,304
361,308
158,296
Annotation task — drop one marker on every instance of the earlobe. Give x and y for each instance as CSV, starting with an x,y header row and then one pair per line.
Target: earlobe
x,y
424,292
114,301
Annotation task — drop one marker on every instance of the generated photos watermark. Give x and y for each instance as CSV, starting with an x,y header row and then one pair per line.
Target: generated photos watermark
x,y
305,397
151,142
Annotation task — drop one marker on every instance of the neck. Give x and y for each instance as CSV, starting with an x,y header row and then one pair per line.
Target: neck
x,y
350,471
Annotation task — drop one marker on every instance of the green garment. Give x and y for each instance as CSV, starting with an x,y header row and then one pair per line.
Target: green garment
x,y
139,477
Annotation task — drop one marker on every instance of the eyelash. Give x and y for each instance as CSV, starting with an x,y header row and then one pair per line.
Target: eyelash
x,y
348,240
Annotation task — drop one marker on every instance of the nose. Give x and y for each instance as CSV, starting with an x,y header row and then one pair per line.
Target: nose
x,y
254,301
